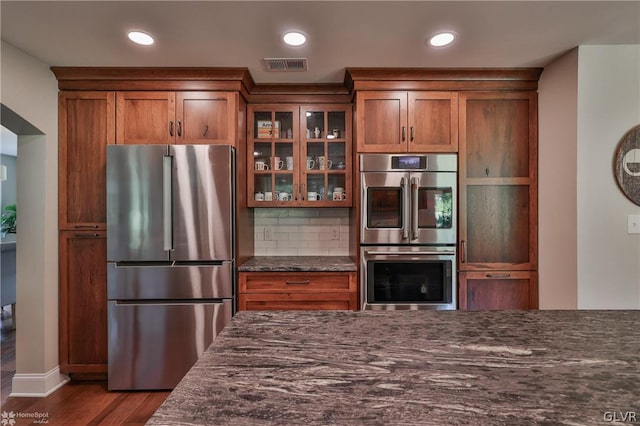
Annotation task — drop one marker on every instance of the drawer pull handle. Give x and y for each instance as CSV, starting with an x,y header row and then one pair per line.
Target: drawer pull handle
x,y
85,226
91,235
299,282
498,275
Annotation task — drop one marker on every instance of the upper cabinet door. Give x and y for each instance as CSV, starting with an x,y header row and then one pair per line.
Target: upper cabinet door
x,y
206,118
273,155
381,121
145,118
86,126
433,122
407,121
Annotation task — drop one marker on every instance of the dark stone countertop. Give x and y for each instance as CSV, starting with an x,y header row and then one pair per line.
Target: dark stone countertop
x,y
414,368
299,264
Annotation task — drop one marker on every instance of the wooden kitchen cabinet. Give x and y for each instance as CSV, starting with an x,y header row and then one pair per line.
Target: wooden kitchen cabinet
x,y
101,106
83,302
414,121
86,127
498,290
297,290
498,197
298,150
176,117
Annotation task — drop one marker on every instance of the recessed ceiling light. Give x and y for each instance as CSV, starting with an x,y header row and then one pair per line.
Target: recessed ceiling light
x,y
442,39
294,38
140,37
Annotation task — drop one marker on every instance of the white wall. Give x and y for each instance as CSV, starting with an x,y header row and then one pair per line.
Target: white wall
x,y
557,183
608,106
29,88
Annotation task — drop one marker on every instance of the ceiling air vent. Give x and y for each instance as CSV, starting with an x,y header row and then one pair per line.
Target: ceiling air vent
x,y
285,64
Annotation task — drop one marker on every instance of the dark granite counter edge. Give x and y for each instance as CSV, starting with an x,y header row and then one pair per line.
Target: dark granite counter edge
x,y
299,264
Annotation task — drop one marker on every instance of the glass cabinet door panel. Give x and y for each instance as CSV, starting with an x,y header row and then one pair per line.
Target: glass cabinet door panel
x,y
315,128
497,138
261,155
315,185
279,160
315,150
262,186
336,188
284,188
434,208
336,125
263,125
284,125
337,156
498,230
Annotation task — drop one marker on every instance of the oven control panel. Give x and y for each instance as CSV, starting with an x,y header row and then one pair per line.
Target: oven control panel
x,y
409,162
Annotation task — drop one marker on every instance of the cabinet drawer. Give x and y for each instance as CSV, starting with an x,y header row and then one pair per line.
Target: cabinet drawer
x,y
297,301
498,290
278,282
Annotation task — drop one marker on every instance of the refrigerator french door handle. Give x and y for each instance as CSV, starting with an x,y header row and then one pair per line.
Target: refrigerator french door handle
x,y
407,209
414,208
167,219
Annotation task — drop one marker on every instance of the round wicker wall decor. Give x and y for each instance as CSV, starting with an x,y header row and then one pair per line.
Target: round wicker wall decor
x,y
627,164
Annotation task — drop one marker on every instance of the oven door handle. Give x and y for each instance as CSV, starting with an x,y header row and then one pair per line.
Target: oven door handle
x,y
407,209
410,253
414,208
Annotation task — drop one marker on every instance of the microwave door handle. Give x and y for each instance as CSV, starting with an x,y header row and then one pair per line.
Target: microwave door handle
x,y
167,219
414,208
405,197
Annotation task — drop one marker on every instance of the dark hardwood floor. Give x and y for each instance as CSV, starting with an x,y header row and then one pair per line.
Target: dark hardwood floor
x,y
76,403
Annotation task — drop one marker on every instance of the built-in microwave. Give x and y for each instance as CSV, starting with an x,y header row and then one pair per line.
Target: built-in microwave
x,y
401,277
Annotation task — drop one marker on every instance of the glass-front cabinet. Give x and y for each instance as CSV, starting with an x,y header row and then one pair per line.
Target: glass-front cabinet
x,y
301,156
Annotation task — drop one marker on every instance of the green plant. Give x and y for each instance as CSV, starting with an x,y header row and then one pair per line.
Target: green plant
x,y
8,220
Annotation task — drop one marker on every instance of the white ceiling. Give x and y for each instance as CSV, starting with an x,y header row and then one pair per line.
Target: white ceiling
x,y
340,33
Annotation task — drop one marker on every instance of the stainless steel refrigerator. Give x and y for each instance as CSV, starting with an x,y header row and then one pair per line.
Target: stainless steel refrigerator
x,y
170,262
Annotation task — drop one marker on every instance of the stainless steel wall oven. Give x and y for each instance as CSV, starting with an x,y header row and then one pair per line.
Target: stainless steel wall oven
x,y
408,231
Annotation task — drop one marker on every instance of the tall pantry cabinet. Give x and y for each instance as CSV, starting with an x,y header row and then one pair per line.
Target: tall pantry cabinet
x,y
86,127
498,200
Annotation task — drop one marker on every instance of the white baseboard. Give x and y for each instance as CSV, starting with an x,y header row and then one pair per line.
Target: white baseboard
x,y
37,385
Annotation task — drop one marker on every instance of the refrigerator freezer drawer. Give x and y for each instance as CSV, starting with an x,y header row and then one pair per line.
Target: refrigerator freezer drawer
x,y
152,346
165,282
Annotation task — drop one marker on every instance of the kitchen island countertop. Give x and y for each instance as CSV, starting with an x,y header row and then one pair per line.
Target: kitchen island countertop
x,y
298,264
414,368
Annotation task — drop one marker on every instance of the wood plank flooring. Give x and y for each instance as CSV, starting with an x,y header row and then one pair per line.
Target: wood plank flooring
x,y
76,403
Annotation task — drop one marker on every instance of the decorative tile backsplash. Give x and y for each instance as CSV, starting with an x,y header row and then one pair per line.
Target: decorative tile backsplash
x,y
301,232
